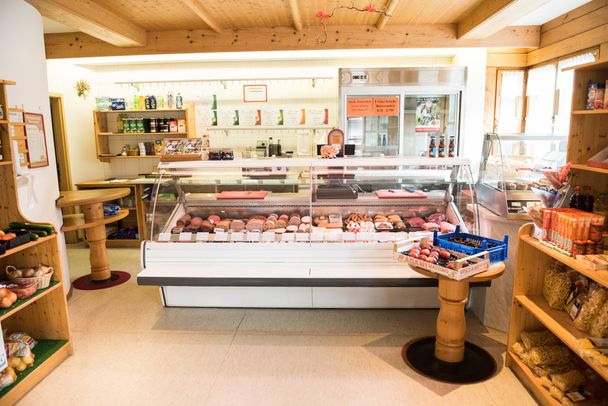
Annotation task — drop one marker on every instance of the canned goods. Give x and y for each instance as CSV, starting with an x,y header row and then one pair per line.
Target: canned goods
x,y
579,247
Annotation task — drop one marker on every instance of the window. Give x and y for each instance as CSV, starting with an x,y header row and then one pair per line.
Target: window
x,y
510,101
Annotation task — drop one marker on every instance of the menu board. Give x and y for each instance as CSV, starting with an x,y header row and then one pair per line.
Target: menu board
x,y
372,106
36,140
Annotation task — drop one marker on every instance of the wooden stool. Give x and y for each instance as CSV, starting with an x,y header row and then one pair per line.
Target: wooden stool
x,y
447,357
91,203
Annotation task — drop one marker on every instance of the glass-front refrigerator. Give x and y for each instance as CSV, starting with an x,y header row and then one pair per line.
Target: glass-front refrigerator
x,y
402,111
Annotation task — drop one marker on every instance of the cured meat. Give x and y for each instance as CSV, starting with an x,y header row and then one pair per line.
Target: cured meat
x,y
430,226
415,222
436,218
447,227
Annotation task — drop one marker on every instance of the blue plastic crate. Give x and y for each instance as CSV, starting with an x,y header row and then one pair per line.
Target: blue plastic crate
x,y
498,253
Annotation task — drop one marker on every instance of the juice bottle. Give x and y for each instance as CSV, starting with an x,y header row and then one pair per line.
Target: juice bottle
x,y
432,147
135,102
588,199
575,200
441,149
451,147
142,102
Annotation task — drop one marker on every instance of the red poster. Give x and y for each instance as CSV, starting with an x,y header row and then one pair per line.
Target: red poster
x,y
372,106
386,106
359,107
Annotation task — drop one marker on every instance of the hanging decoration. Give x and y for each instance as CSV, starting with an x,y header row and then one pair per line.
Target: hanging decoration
x,y
82,88
323,16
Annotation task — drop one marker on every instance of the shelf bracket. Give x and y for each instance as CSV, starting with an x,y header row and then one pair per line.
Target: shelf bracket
x,y
135,85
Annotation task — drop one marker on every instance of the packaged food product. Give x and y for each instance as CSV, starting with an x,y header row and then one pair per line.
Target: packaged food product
x,y
556,286
545,382
599,325
555,392
595,298
533,339
550,355
567,381
7,377
551,369
518,348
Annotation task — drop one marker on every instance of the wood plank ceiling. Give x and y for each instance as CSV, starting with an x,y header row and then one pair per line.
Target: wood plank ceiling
x,y
127,27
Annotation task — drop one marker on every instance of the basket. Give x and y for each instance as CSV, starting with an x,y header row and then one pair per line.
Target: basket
x,y
42,281
498,253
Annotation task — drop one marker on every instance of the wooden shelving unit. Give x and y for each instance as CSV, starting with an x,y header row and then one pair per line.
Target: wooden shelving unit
x,y
529,310
107,139
44,315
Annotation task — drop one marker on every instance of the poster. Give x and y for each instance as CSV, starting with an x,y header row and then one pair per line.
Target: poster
x,y
255,93
36,140
427,115
372,106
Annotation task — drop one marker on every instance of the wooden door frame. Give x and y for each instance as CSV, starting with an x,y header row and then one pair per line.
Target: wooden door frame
x,y
61,142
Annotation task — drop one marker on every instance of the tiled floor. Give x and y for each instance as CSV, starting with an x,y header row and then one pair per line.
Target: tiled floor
x,y
128,350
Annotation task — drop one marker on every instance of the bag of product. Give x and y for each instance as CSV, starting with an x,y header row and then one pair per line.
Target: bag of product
x,y
595,299
578,295
550,369
533,339
7,377
556,286
599,325
568,381
550,355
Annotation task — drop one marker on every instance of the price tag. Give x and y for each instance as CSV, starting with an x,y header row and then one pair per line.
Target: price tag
x,y
362,236
303,237
220,237
331,236
268,236
253,236
288,237
349,236
316,236
186,236
164,237
202,236
238,236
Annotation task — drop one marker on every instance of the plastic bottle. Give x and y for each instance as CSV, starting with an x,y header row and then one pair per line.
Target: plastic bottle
x,y
278,148
170,100
575,200
153,102
178,101
588,199
135,102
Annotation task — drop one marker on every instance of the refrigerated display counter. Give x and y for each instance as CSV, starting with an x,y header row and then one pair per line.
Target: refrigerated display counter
x,y
327,243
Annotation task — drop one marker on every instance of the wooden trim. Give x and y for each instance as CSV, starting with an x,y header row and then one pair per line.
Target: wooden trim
x,y
74,45
491,16
573,15
603,51
295,15
93,19
586,22
507,59
490,99
574,44
384,18
61,144
197,7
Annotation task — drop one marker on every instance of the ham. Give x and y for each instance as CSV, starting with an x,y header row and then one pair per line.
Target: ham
x,y
415,222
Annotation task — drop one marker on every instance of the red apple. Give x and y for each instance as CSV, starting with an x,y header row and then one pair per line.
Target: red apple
x,y
445,254
425,251
414,255
422,257
431,260
450,265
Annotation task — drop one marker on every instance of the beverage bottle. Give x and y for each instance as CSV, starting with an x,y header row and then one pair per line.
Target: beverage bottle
x,y
152,124
441,148
271,151
278,148
148,103
178,101
451,147
576,198
142,103
588,199
160,102
432,147
235,118
170,100
153,102
213,102
135,102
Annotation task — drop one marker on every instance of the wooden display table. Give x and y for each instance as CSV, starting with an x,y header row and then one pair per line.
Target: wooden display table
x,y
447,357
91,203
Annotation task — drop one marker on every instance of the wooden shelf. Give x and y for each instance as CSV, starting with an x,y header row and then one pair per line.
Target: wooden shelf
x,y
590,112
4,121
129,157
49,354
531,381
21,303
124,243
106,220
268,127
600,277
28,245
559,323
588,168
133,134
19,124
143,111
5,163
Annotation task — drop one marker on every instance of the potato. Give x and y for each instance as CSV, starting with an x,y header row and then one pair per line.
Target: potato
x,y
21,367
28,360
6,302
14,361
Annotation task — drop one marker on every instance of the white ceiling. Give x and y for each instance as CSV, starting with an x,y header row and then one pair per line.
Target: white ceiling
x,y
53,27
549,11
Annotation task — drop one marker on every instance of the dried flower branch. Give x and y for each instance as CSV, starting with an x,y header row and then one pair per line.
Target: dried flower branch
x,y
323,16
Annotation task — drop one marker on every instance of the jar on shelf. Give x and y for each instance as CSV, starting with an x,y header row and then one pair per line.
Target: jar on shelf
x,y
578,248
590,247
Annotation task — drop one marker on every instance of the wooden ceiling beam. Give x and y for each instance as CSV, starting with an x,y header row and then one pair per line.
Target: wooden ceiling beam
x,y
74,45
390,9
295,15
93,19
492,16
199,10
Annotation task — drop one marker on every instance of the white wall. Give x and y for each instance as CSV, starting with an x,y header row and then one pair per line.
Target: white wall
x,y
22,43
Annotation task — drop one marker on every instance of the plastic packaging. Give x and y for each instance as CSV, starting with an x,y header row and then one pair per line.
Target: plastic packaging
x,y
599,325
567,381
595,298
533,339
556,286
550,355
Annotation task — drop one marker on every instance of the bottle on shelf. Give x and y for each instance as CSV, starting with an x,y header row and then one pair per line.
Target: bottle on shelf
x,y
160,101
148,103
153,102
178,101
170,100
214,102
142,103
270,147
278,148
135,102
432,147
451,147
441,148
152,124
588,199
575,200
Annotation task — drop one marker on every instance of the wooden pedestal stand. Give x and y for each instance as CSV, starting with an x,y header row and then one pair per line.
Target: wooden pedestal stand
x,y
447,357
91,202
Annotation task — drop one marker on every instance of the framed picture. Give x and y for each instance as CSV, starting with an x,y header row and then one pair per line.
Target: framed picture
x,y
36,140
255,93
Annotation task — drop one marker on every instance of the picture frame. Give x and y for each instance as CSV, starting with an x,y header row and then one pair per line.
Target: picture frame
x,y
35,135
255,93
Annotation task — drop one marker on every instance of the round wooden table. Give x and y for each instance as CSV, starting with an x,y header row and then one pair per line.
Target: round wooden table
x,y
447,357
91,203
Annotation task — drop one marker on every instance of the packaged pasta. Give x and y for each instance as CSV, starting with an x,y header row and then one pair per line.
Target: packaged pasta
x,y
599,325
555,392
550,369
568,381
545,381
533,339
556,286
594,300
518,348
550,355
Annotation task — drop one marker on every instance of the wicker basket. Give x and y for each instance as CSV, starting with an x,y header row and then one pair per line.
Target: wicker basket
x,y
43,281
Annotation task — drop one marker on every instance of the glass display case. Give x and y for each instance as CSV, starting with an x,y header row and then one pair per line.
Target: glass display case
x,y
512,165
301,224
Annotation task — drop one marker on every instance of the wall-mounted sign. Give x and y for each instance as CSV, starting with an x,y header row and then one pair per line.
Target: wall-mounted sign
x,y
255,93
359,77
36,140
372,106
427,115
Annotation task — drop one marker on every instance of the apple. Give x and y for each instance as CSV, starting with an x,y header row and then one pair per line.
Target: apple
x,y
434,254
431,260
414,255
425,251
422,257
445,254
450,265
